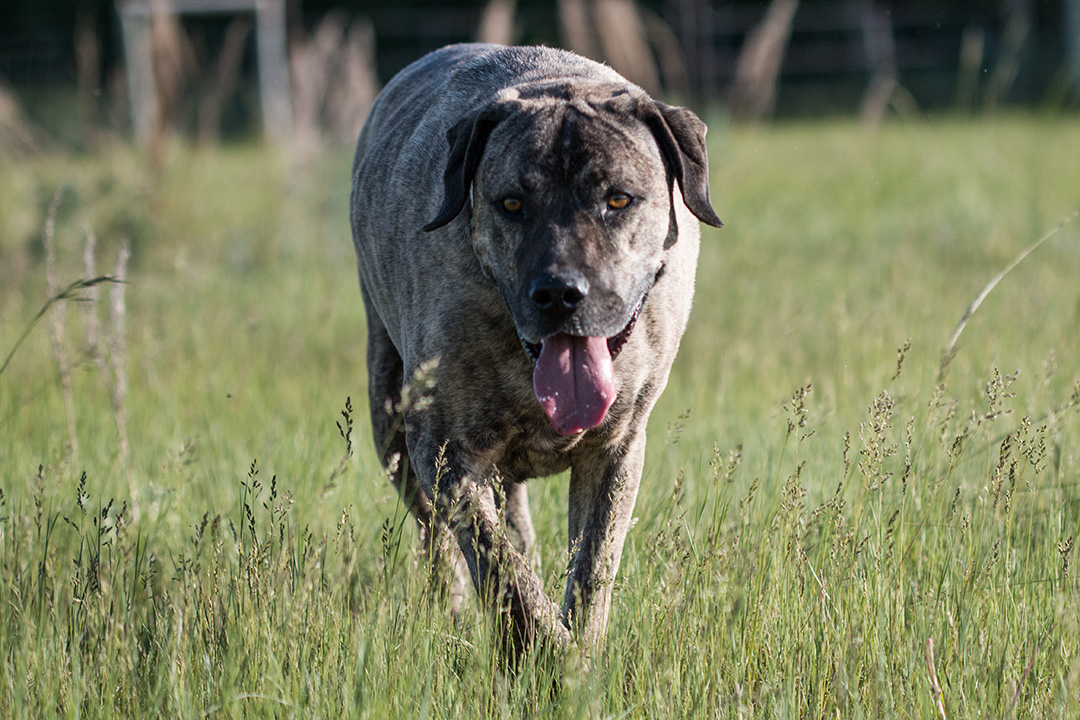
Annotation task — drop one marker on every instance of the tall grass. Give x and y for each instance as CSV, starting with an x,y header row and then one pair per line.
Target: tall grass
x,y
830,525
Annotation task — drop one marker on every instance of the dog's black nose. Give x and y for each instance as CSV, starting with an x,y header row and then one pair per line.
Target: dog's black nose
x,y
557,296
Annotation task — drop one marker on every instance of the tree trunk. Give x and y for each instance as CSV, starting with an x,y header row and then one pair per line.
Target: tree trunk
x,y
497,23
757,70
881,56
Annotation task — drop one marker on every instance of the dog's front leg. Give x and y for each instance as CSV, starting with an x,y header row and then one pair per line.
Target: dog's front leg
x,y
503,576
603,487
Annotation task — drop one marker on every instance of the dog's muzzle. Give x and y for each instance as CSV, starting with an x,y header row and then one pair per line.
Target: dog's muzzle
x,y
574,375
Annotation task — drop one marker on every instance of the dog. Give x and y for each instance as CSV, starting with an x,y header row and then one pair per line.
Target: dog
x,y
528,220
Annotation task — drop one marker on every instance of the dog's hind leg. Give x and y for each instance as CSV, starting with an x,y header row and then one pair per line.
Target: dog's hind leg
x,y
385,376
384,395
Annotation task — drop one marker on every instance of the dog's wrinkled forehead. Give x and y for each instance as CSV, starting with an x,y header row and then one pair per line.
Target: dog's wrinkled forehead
x,y
573,105
579,92
565,129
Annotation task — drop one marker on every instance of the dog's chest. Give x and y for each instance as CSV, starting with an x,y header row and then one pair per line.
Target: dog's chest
x,y
535,455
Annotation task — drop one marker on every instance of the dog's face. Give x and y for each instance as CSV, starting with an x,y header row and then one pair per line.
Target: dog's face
x,y
570,212
572,192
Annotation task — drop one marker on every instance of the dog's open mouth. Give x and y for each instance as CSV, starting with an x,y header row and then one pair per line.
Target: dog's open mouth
x,y
574,378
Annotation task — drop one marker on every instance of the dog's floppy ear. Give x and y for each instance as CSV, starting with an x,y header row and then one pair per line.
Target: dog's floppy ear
x,y
467,140
680,134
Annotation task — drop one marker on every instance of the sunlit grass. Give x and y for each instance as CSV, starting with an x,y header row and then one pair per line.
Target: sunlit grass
x,y
831,502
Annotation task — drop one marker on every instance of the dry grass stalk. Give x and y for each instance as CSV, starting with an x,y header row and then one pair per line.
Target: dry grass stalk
x,y
58,335
69,292
118,386
108,347
935,686
346,432
1030,664
950,347
93,325
758,67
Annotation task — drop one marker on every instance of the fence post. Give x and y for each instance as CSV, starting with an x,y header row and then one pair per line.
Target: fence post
x,y
273,69
270,43
139,67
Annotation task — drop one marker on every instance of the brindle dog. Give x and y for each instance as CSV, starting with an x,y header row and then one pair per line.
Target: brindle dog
x,y
528,218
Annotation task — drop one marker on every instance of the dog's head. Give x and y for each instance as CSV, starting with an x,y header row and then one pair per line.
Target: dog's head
x,y
571,192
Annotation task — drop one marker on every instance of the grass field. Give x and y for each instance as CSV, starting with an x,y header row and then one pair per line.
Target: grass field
x,y
814,513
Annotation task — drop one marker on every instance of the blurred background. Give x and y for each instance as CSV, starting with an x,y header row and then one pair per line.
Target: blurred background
x,y
75,72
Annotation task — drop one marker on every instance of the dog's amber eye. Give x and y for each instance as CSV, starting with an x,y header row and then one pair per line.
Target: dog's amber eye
x,y
511,204
617,201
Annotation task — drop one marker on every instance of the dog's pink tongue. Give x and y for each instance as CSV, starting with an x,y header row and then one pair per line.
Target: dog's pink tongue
x,y
574,382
